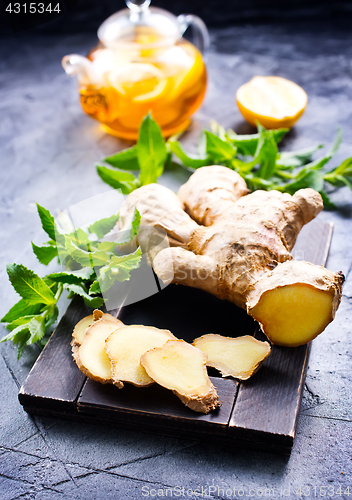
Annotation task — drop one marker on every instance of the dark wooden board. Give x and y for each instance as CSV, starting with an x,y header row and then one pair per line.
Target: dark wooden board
x,y
261,412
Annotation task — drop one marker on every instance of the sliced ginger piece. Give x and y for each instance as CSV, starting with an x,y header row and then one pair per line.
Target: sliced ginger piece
x,y
91,357
181,367
80,330
301,313
125,347
238,357
81,327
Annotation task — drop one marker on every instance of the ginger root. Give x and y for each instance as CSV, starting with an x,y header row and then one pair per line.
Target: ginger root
x,y
241,252
125,347
238,357
180,367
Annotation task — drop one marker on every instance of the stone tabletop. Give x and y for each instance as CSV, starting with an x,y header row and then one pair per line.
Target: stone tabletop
x,y
48,151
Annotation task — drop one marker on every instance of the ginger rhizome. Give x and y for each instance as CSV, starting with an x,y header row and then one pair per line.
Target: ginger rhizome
x,y
241,252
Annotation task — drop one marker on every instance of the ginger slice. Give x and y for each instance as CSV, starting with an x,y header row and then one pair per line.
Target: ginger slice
x,y
80,330
125,347
181,367
238,357
91,357
81,327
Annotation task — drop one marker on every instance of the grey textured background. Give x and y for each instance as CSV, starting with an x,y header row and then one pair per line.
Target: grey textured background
x,y
48,150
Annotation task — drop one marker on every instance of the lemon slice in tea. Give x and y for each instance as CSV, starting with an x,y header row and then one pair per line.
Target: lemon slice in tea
x,y
138,82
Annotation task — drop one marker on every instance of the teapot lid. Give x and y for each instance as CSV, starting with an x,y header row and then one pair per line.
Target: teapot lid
x,y
139,24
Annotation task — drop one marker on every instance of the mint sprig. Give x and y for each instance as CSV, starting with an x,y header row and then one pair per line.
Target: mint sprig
x,y
84,255
148,156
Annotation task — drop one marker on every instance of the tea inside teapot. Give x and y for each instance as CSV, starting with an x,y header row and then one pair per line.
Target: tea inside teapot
x,y
141,64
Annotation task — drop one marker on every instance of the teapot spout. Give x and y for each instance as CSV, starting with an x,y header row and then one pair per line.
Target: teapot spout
x,y
74,64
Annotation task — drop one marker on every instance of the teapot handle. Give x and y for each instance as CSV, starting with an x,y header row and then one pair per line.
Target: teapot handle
x,y
200,31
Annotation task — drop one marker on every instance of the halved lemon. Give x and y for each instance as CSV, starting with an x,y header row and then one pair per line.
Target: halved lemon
x,y
272,101
139,82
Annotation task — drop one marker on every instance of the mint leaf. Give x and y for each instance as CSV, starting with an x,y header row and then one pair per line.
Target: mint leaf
x,y
79,237
341,175
50,316
94,288
93,302
36,328
327,202
320,162
20,321
188,160
29,285
103,226
73,277
118,180
19,332
151,151
305,179
85,257
218,130
296,158
218,149
247,144
22,308
22,342
266,154
131,232
125,160
48,222
45,254
118,269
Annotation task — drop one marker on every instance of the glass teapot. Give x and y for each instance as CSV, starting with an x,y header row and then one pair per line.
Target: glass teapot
x,y
142,64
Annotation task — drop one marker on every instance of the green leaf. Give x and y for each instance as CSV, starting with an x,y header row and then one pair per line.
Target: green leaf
x,y
51,316
151,151
85,257
266,154
36,328
320,162
305,179
118,269
296,158
76,277
328,204
218,130
341,175
94,288
48,222
218,149
93,302
17,334
45,254
20,321
255,182
79,237
124,160
188,160
22,342
29,285
118,180
131,232
21,308
247,144
103,226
